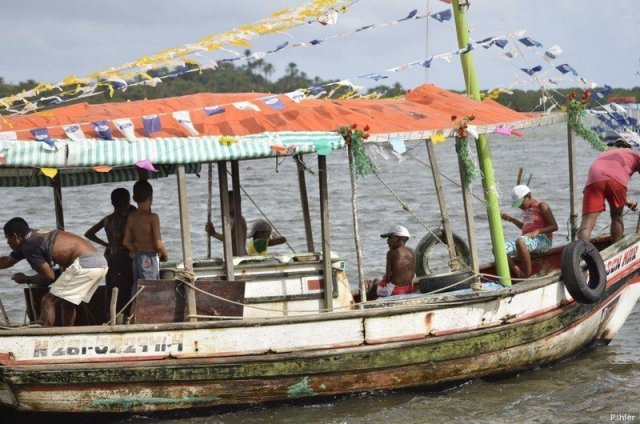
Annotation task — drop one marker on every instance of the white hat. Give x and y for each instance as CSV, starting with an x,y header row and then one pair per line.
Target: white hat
x,y
517,195
259,225
396,230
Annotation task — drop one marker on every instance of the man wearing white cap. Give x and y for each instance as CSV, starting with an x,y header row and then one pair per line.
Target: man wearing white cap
x,y
401,266
537,225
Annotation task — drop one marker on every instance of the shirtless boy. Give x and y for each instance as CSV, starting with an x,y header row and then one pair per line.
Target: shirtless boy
x,y
401,265
142,237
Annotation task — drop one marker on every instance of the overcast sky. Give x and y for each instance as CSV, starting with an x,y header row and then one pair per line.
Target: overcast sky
x,y
49,40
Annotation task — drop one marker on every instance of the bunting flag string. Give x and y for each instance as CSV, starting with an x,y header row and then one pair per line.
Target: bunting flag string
x,y
113,84
116,77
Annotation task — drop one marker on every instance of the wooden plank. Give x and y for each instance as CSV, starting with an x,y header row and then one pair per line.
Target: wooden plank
x,y
185,236
304,201
324,223
226,220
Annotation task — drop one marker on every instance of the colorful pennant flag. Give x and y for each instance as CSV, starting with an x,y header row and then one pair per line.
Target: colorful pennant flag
x,y
565,69
42,134
8,135
49,172
184,119
102,129
529,42
151,124
531,71
297,96
246,106
398,145
445,15
74,132
125,126
213,110
145,164
273,102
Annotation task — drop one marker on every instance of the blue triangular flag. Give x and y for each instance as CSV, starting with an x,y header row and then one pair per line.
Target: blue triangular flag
x,y
529,42
501,43
532,71
279,47
316,90
273,102
374,77
601,94
364,28
427,63
213,110
102,129
565,68
151,124
445,15
42,134
411,14
315,42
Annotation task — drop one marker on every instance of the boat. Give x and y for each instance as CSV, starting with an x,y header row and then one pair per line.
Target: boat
x,y
238,330
618,119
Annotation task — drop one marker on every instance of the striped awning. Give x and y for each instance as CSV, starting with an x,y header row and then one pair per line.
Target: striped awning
x,y
163,150
74,177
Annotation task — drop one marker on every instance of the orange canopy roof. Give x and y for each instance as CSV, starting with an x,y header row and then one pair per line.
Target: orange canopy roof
x,y
426,108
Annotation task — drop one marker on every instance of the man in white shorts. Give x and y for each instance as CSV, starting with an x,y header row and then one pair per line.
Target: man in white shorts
x,y
85,268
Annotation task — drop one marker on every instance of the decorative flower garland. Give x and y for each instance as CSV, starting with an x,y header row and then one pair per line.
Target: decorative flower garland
x,y
354,139
576,113
462,148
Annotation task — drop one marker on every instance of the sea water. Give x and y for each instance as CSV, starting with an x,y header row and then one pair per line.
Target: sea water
x,y
602,385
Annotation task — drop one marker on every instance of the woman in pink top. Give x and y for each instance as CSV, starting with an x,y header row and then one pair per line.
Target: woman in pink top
x,y
608,179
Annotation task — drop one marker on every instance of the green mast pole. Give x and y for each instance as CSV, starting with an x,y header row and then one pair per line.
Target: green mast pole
x,y
482,147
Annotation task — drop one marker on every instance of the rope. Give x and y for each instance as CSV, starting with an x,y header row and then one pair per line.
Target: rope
x,y
407,208
263,214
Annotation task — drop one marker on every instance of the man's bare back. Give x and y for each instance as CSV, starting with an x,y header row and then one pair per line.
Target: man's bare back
x,y
68,247
401,266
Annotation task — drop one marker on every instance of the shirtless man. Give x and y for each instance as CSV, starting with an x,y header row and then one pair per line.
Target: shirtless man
x,y
142,237
84,267
401,266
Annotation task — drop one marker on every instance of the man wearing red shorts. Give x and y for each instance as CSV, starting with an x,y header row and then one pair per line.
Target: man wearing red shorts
x,y
608,179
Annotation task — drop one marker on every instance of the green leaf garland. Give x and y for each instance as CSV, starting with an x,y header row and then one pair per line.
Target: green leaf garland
x,y
355,139
576,114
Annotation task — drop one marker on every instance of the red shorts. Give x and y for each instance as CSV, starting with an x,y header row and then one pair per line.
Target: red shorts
x,y
595,194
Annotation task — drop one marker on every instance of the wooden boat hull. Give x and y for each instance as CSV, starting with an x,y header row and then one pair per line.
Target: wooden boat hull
x,y
419,341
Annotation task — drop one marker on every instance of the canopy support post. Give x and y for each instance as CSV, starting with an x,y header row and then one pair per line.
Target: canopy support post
x,y
356,231
185,229
573,216
226,221
483,150
57,200
324,221
209,198
4,319
237,204
304,202
444,213
467,200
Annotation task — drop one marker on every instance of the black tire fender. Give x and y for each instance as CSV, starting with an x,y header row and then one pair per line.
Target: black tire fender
x,y
583,291
426,245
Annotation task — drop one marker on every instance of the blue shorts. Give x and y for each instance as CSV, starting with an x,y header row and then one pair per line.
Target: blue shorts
x,y
539,244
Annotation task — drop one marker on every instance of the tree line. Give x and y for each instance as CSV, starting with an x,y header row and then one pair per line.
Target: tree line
x,y
257,76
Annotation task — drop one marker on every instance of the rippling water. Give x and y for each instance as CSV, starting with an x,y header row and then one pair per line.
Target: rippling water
x,y
587,388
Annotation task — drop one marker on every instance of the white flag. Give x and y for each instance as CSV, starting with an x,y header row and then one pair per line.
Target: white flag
x,y
184,118
125,126
74,132
246,106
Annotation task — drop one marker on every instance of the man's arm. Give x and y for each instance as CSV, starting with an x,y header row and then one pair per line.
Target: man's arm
x,y
127,241
157,238
91,234
391,258
7,261
511,219
44,276
275,240
211,231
